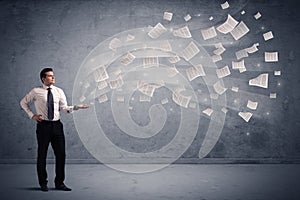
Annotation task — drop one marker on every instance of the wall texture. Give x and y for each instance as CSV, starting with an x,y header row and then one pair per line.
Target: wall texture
x,y
61,34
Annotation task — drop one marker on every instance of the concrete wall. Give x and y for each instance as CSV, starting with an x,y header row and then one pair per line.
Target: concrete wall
x,y
61,34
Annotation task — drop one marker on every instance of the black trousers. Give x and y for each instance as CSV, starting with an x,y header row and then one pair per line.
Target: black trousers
x,y
51,132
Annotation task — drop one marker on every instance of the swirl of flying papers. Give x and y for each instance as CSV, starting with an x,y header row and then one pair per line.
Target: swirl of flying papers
x,y
139,81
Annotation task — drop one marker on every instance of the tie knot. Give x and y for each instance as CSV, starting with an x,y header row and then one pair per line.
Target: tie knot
x,y
48,88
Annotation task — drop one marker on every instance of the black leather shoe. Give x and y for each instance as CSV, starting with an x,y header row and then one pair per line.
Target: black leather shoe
x,y
44,188
62,187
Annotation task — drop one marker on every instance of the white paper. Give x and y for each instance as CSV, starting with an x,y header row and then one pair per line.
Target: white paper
x,y
273,95
100,74
180,99
224,110
238,64
192,105
235,89
120,98
127,59
223,72
145,98
193,73
252,104
168,16
165,45
190,51
216,58
220,49
157,30
172,71
183,32
102,98
239,31
117,83
253,48
257,15
268,35
150,62
208,111
277,73
271,56
187,17
225,5
174,59
164,101
101,85
130,37
209,33
211,18
243,12
260,81
241,54
245,115
228,25
115,44
219,88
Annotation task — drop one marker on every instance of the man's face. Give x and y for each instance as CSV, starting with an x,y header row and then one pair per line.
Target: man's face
x,y
50,79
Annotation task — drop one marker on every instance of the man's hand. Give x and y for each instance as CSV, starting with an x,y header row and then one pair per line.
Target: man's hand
x,y
37,118
81,106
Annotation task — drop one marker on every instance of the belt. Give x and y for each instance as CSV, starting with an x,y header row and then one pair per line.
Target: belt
x,y
48,121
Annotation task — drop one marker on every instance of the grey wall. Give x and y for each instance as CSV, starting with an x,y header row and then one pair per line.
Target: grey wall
x,y
62,33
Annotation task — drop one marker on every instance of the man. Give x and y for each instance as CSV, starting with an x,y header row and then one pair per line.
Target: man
x,y
48,101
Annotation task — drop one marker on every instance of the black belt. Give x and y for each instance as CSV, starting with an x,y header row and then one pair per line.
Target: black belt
x,y
48,121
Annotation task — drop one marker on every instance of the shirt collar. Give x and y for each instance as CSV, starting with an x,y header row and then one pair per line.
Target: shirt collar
x,y
46,87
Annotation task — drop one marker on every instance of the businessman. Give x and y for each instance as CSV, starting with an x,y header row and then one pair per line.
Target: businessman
x,y
49,100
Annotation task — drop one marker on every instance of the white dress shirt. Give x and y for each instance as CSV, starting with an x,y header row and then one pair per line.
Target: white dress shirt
x,y
39,96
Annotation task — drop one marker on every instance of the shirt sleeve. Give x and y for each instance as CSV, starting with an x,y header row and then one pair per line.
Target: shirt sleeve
x,y
63,104
24,103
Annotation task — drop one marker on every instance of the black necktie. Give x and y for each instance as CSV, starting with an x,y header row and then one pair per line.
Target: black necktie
x,y
50,104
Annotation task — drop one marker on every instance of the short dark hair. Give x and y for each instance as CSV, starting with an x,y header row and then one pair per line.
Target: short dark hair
x,y
43,73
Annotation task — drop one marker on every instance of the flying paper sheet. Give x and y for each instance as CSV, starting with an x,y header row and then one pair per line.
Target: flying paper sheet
x,y
235,89
224,110
101,85
183,32
164,101
220,49
194,72
271,56
216,58
273,95
253,48
245,115
223,72
174,59
190,51
127,59
238,64
257,15
165,45
241,54
100,74
187,17
267,36
239,31
228,25
252,105
145,98
219,88
156,31
277,73
225,5
114,44
208,111
117,83
130,37
180,99
172,71
209,33
150,62
102,98
121,99
168,16
260,81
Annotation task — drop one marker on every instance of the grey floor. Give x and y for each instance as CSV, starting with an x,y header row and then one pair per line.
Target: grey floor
x,y
180,181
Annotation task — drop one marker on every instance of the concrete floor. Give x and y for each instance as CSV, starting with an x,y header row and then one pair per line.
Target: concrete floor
x,y
180,181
